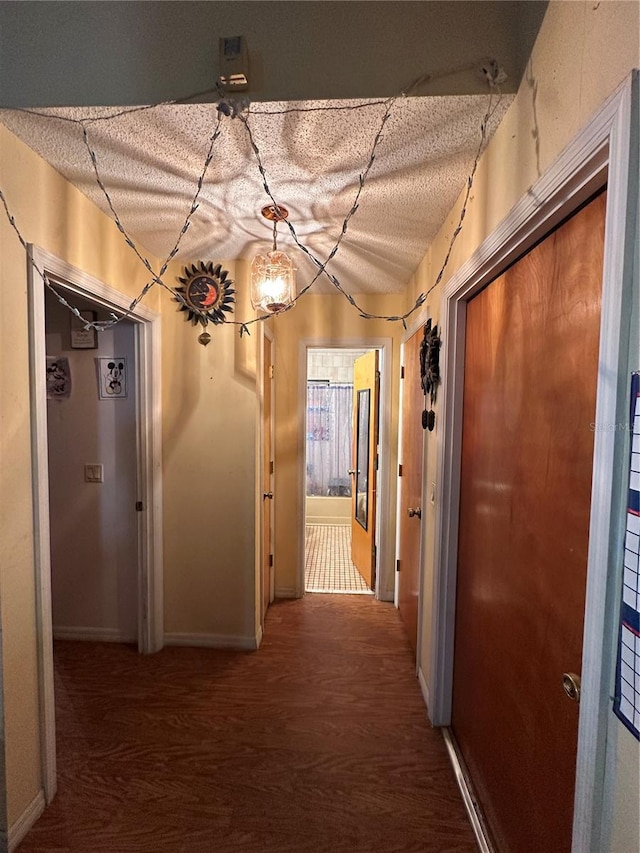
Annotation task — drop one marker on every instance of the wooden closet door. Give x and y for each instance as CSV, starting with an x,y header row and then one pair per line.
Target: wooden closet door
x,y
531,363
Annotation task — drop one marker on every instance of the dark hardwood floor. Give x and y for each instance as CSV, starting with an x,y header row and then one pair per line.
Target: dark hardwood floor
x,y
317,742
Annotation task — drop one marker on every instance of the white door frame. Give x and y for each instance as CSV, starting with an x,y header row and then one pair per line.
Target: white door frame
x,y
415,325
385,570
599,154
267,334
149,488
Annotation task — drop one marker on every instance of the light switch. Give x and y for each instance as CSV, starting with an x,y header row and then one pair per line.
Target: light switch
x,y
94,473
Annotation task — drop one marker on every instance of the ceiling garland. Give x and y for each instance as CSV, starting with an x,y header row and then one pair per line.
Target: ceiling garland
x,y
231,109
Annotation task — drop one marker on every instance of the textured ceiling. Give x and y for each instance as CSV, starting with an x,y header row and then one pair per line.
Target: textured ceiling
x,y
150,162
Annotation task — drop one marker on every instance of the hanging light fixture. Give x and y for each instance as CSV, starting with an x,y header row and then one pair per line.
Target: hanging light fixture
x,y
273,276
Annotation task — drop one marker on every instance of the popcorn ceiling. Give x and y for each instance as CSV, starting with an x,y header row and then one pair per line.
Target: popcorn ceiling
x,y
150,162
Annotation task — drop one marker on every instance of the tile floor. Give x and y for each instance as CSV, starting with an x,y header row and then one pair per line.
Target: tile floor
x,y
328,566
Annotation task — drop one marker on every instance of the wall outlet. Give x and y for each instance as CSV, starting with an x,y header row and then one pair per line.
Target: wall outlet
x,y
94,473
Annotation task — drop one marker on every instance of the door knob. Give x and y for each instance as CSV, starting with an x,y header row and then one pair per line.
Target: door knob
x,y
571,684
417,512
267,495
351,471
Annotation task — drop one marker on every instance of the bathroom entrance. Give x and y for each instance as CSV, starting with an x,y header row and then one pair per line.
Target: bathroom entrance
x,y
340,472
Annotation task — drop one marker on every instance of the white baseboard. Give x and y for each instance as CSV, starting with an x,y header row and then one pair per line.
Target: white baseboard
x,y
20,827
386,595
424,687
470,803
94,635
286,592
213,641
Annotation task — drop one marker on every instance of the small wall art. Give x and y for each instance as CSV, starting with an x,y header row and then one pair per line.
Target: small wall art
x,y
58,378
82,338
112,378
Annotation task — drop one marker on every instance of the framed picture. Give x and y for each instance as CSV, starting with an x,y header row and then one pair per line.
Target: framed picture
x,y
58,378
112,378
82,338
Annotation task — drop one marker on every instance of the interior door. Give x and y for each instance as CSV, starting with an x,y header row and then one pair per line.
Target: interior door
x,y
267,477
411,488
531,362
366,388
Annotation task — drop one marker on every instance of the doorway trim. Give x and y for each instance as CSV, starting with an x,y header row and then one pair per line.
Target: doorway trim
x,y
267,335
413,327
385,562
150,586
599,154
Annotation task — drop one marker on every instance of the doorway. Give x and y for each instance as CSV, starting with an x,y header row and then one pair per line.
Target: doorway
x,y
79,286
410,475
525,492
93,487
599,154
329,466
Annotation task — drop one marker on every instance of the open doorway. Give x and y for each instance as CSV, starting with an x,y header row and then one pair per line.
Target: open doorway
x,y
92,462
330,473
140,620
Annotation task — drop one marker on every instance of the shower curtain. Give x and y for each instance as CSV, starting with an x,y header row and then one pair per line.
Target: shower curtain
x,y
329,438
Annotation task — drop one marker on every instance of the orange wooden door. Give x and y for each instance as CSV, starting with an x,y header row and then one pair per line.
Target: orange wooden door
x,y
366,385
267,477
411,488
531,363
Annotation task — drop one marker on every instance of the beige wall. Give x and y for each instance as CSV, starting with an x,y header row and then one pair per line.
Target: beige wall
x,y
322,321
583,51
56,217
209,448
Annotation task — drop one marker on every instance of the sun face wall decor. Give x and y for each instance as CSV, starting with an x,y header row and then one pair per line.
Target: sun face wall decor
x,y
207,295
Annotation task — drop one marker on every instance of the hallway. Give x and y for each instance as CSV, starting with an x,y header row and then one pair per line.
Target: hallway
x,y
318,742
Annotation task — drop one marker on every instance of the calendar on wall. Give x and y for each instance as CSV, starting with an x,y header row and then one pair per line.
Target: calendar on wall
x,y
626,703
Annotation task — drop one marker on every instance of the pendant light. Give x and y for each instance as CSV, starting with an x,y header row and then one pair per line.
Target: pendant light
x,y
273,276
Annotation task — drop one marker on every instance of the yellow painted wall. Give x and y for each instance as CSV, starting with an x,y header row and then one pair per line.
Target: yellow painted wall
x,y
583,51
320,319
53,215
209,447
209,467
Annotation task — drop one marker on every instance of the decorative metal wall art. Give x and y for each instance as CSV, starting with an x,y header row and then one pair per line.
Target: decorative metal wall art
x,y
207,295
430,372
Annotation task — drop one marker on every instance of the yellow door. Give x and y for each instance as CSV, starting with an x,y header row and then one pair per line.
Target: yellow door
x,y
366,385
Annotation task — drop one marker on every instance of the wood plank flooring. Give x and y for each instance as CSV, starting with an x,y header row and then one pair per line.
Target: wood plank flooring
x,y
317,742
